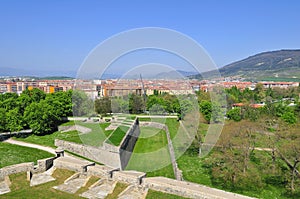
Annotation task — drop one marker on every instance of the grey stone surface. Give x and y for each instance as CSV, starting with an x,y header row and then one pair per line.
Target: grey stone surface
x,y
4,186
97,154
72,185
100,190
70,163
17,168
131,177
40,178
133,192
188,189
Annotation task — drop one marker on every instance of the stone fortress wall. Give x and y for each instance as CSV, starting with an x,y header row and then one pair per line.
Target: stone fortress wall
x,y
113,156
133,178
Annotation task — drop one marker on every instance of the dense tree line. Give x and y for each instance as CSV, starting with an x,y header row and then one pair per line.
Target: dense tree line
x,y
35,110
154,104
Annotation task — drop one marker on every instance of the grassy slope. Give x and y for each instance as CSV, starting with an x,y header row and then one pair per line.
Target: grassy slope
x,y
14,154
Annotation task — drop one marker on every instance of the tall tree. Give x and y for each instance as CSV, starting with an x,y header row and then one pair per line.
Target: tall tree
x,y
14,120
41,117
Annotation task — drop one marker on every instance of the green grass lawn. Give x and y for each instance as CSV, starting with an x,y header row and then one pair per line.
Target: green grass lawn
x,y
173,126
93,138
14,154
97,135
48,140
192,168
151,154
147,143
118,135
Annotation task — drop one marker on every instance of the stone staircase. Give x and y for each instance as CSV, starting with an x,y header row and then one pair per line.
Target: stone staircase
x,y
41,178
133,192
73,183
100,189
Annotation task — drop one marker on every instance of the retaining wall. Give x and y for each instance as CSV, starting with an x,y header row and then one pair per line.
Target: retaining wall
x,y
188,189
128,143
17,168
131,177
44,164
97,154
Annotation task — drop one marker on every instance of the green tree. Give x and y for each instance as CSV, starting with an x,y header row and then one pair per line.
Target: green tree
x,y
14,120
35,94
3,120
82,105
103,106
206,109
41,117
136,104
62,101
234,114
289,117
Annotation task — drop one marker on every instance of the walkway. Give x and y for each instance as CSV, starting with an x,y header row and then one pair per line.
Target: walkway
x,y
37,146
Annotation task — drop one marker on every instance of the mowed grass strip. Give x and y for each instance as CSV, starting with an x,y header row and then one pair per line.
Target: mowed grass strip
x,y
151,154
14,154
147,143
117,135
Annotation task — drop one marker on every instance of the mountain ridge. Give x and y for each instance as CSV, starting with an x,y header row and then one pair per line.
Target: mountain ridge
x,y
283,63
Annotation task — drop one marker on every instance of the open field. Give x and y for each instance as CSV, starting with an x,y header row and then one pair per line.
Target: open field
x,y
13,154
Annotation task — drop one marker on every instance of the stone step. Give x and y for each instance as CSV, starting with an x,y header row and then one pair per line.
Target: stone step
x,y
4,186
100,189
73,184
40,178
133,192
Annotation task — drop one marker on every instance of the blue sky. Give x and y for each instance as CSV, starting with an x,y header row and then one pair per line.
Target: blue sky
x,y
58,34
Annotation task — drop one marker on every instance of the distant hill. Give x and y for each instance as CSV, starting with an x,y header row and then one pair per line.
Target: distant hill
x,y
281,64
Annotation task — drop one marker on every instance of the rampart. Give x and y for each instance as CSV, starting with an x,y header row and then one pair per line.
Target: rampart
x,y
113,156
